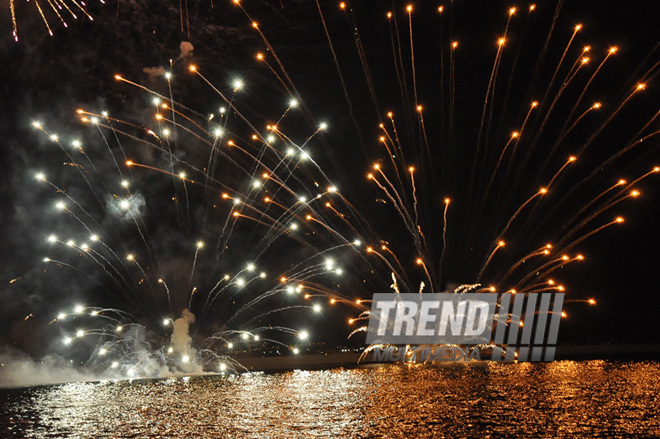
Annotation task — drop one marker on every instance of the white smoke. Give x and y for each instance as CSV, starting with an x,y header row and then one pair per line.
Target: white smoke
x,y
19,370
182,343
186,49
154,72
128,208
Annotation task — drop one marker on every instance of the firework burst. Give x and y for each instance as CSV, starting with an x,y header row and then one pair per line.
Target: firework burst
x,y
49,10
243,225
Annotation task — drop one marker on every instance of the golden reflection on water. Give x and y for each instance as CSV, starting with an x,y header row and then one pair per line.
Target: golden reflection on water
x,y
560,399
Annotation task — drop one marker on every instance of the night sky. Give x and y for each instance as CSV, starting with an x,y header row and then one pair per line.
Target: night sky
x,y
48,78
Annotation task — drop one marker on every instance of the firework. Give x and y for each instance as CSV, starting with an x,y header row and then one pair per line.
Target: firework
x,y
228,239
50,10
243,227
473,202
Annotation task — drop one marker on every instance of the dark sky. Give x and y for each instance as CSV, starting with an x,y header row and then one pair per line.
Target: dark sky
x,y
49,77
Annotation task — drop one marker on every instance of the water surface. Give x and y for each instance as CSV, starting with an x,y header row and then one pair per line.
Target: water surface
x,y
560,399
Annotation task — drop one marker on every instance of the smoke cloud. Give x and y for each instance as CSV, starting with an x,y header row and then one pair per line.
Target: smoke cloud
x,y
154,72
19,370
182,342
186,49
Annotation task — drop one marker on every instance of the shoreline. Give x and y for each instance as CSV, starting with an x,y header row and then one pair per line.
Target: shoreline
x,y
349,360
613,352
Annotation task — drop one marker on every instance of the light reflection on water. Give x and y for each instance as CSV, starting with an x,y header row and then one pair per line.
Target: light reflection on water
x,y
561,399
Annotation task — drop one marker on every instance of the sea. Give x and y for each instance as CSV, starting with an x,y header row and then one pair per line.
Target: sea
x,y
563,399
